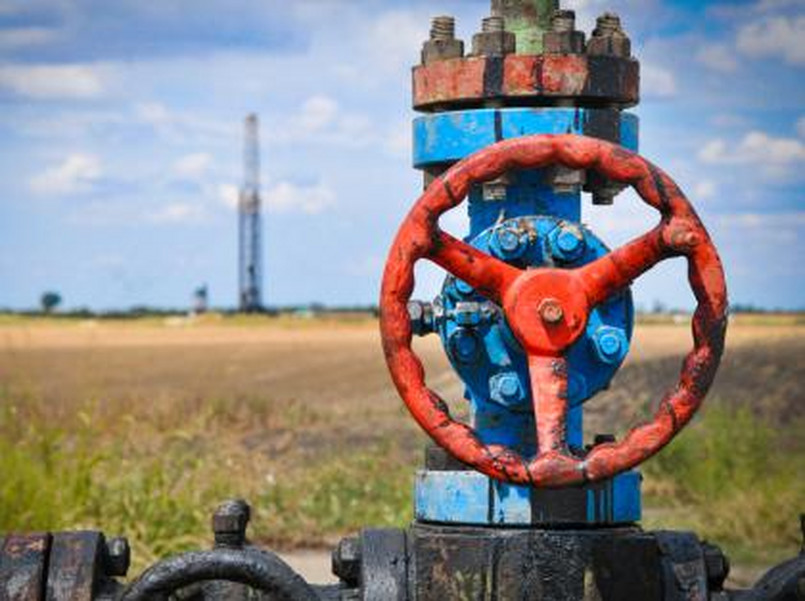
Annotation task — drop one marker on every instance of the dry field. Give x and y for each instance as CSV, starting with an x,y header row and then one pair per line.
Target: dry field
x,y
141,426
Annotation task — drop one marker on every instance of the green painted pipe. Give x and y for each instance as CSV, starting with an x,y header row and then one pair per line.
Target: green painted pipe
x,y
527,19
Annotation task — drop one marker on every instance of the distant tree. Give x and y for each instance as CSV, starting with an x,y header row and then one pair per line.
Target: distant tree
x,y
49,301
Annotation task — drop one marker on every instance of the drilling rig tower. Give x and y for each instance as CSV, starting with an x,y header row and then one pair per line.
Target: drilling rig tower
x,y
250,260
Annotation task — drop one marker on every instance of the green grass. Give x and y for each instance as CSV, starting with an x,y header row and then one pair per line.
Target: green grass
x,y
159,489
736,479
732,477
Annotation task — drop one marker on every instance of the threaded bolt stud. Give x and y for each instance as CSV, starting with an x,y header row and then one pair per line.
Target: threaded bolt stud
x,y
443,29
607,24
493,25
563,21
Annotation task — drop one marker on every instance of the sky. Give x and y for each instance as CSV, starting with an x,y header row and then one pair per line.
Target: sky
x,y
121,143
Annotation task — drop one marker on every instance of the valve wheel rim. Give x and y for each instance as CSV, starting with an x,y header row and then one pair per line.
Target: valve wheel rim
x,y
546,325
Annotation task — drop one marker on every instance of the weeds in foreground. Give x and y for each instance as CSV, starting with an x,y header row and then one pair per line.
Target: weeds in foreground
x,y
732,477
735,479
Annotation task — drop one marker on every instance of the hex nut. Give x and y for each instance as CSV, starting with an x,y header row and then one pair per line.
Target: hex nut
x,y
717,566
494,40
442,44
564,180
346,561
505,389
117,557
439,460
609,38
229,523
567,243
441,50
421,316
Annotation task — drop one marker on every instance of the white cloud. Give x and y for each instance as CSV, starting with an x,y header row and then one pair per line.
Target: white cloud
x,y
788,219
318,113
718,57
26,36
774,37
53,81
184,127
397,37
704,190
756,147
285,197
729,120
177,212
657,82
229,195
78,173
193,166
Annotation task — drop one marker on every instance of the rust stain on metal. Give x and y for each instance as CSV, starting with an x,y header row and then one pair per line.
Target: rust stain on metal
x,y
538,78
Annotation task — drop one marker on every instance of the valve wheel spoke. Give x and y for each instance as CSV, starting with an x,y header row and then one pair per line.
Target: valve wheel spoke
x,y
617,270
491,277
549,393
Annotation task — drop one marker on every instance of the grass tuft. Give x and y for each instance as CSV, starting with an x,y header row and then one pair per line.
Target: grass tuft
x,y
735,478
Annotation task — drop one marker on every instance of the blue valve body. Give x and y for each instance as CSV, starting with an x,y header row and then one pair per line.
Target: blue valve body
x,y
528,220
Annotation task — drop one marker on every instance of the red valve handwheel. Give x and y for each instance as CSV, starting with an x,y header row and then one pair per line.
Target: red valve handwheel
x,y
547,309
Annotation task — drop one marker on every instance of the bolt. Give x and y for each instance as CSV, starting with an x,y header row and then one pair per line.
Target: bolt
x,y
611,344
493,39
467,314
604,439
716,565
505,389
563,21
493,25
551,312
508,243
609,38
442,44
494,191
443,28
607,24
346,561
465,346
422,319
229,523
567,243
118,557
464,288
603,198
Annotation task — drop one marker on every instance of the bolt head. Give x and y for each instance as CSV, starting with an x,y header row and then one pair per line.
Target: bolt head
x,y
465,345
505,389
346,561
551,311
464,288
118,557
229,522
611,344
422,317
567,243
508,243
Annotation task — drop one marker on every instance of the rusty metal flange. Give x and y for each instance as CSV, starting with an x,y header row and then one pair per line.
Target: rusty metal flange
x,y
533,80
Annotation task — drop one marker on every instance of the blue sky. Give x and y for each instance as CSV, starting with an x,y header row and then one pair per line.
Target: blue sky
x,y
120,142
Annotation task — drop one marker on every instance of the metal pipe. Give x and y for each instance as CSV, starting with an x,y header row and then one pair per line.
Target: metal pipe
x,y
527,19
